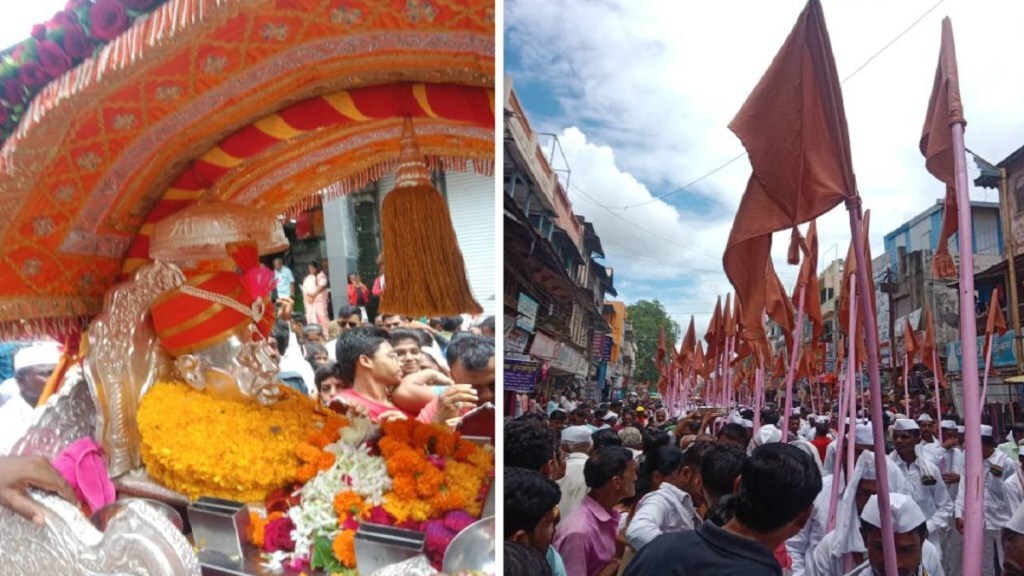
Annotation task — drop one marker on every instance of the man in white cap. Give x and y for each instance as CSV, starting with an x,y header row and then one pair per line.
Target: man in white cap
x,y
1013,437
915,555
995,470
796,438
576,442
1013,545
952,467
32,367
925,479
842,549
927,425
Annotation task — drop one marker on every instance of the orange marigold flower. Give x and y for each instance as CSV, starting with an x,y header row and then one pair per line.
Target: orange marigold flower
x,y
318,439
445,501
344,548
444,445
256,526
404,487
464,449
347,504
399,430
483,460
389,446
333,426
406,462
307,453
422,437
325,461
306,472
429,482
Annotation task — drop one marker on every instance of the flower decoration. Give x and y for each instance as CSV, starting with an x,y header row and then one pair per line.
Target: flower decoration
x,y
58,45
403,473
254,451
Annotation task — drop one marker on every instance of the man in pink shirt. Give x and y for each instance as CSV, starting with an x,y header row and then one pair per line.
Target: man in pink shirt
x,y
586,540
367,360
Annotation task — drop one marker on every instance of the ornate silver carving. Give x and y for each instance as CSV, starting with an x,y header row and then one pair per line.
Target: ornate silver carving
x,y
68,416
125,359
138,541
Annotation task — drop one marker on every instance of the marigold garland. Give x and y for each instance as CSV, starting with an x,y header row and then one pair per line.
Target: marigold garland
x,y
202,445
344,548
349,504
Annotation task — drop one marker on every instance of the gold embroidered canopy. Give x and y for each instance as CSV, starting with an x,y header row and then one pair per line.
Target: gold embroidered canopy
x,y
258,102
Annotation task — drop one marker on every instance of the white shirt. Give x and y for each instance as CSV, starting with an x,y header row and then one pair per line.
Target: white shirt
x,y
16,417
810,449
8,389
802,546
928,491
667,509
953,462
293,361
931,564
830,459
573,486
997,508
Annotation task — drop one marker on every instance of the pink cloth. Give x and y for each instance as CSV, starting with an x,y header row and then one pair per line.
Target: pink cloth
x,y
375,409
586,539
82,465
316,311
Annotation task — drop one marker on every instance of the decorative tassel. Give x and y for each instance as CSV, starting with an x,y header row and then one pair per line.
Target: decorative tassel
x,y
794,247
426,275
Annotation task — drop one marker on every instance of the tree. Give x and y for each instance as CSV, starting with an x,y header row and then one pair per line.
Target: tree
x,y
648,318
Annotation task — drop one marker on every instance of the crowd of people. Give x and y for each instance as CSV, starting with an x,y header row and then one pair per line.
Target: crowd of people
x,y
629,489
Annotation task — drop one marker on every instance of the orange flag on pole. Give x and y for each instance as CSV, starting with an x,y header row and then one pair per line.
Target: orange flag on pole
x,y
793,126
698,361
928,357
996,323
809,277
779,307
685,357
659,354
944,109
712,335
910,344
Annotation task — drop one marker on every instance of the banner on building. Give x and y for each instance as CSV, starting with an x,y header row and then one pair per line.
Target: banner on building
x,y
544,346
606,353
516,340
1002,353
520,376
527,310
597,344
571,361
602,374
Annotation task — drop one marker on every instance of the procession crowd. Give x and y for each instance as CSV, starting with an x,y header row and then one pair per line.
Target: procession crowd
x,y
621,489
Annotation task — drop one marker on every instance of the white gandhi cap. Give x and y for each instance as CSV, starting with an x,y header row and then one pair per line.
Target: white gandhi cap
x,y
906,514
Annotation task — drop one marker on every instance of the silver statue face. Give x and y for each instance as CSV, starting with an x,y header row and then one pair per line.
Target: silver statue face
x,y
242,368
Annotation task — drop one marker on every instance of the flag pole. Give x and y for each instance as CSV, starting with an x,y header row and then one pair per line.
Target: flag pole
x,y
906,371
973,536
851,376
793,358
871,333
846,431
988,363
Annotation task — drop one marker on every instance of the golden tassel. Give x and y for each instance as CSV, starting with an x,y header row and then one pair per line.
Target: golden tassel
x,y
425,274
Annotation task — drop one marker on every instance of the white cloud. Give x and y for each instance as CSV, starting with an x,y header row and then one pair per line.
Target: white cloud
x,y
653,85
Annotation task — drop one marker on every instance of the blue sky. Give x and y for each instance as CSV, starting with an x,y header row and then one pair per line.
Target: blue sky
x,y
640,94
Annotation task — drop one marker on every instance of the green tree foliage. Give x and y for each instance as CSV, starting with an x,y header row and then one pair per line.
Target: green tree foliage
x,y
647,318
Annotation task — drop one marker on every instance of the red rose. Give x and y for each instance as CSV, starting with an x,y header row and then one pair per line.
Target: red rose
x,y
76,43
278,535
378,515
39,31
14,92
64,18
52,58
108,20
350,523
32,75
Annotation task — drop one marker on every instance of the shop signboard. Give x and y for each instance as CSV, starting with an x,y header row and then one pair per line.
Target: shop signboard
x,y
520,376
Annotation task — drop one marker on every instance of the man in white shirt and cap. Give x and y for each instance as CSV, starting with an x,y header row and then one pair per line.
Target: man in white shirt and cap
x,y
1013,438
1013,545
32,368
927,425
843,548
576,442
915,555
995,470
952,467
927,488
796,438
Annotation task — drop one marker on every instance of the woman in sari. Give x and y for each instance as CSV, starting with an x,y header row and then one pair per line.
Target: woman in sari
x,y
314,294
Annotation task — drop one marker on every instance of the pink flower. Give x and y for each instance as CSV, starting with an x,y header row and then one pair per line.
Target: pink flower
x,y
32,75
458,520
278,535
350,523
409,525
298,563
39,31
378,515
64,18
52,58
437,461
76,43
13,92
108,20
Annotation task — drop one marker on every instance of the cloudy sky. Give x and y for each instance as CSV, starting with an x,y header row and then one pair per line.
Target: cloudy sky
x,y
17,22
640,95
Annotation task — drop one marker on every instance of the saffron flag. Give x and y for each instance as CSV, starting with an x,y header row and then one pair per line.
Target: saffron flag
x,y
849,272
944,110
928,355
779,307
793,126
698,361
685,357
711,336
910,344
996,323
808,277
